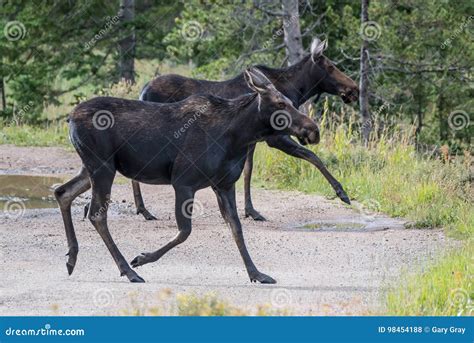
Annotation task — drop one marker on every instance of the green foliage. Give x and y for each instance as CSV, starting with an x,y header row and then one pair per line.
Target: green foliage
x,y
445,289
64,47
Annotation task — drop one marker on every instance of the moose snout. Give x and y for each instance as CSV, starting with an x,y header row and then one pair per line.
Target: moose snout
x,y
350,94
313,137
309,134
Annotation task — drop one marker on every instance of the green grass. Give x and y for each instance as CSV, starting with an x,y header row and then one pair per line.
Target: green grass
x,y
445,289
26,135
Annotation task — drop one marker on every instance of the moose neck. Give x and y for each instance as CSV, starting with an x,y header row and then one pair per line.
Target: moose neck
x,y
246,126
295,82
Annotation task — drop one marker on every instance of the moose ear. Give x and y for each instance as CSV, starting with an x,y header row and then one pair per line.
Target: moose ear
x,y
257,81
318,47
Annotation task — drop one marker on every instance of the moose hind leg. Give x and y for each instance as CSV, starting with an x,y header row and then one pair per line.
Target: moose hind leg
x,y
101,185
250,211
226,201
137,195
65,195
183,213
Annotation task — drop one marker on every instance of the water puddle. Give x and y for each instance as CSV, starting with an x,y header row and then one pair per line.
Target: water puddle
x,y
350,226
347,225
27,191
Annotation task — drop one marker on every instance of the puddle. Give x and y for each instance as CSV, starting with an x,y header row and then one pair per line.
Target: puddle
x,y
348,225
27,191
351,226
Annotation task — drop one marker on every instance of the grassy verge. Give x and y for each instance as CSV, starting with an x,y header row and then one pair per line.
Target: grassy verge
x,y
26,135
445,289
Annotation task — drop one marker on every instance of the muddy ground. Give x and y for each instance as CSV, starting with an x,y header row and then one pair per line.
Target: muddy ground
x,y
328,258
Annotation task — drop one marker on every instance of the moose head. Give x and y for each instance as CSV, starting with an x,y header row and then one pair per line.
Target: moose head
x,y
278,112
326,77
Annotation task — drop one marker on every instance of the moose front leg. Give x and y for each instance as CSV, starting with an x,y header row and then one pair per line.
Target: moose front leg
x,y
249,209
183,213
137,195
226,201
289,146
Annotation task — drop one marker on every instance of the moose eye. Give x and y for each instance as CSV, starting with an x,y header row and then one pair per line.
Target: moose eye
x,y
330,69
281,104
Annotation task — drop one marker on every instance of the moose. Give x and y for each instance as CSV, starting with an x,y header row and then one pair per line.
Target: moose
x,y
313,75
141,146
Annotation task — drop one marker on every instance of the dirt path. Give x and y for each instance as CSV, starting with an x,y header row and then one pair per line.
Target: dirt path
x,y
340,266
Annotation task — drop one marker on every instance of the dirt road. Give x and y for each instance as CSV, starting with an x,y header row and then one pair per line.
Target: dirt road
x,y
340,263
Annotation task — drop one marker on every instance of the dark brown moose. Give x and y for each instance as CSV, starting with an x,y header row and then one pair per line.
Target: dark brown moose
x,y
137,139
314,74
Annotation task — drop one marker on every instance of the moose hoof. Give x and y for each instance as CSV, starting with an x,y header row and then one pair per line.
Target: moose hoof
x,y
147,215
134,277
86,211
140,260
343,196
254,215
262,278
71,261
70,267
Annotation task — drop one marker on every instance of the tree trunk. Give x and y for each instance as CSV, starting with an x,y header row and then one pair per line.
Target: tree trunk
x,y
443,124
292,31
127,44
2,94
364,78
292,38
419,114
